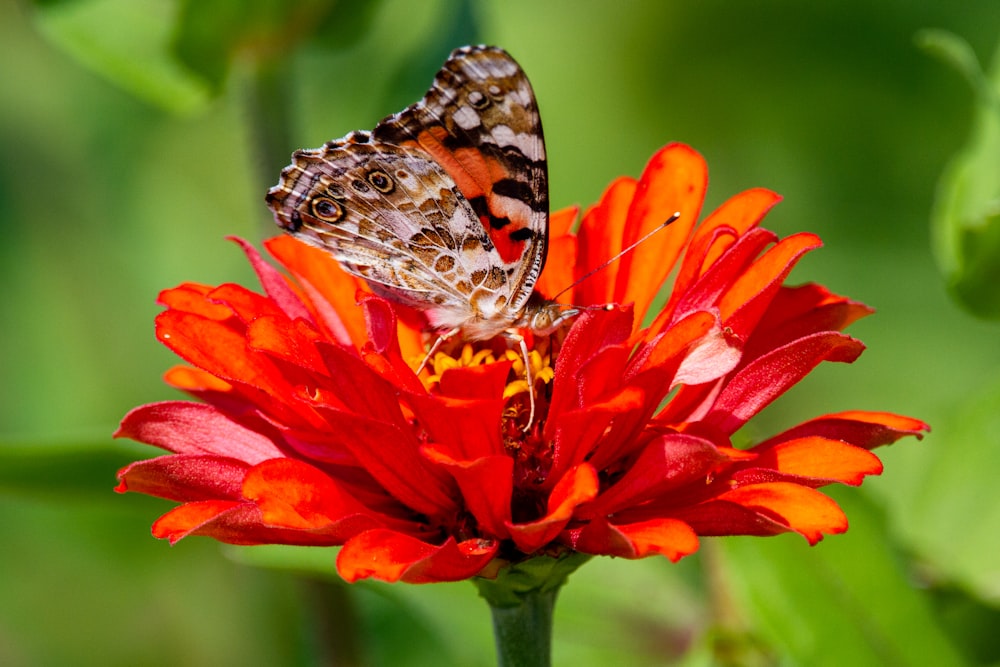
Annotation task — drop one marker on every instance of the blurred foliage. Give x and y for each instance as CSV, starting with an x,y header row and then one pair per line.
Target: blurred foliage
x,y
967,211
150,123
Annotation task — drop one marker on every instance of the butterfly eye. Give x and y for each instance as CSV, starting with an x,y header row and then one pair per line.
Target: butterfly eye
x,y
381,181
326,209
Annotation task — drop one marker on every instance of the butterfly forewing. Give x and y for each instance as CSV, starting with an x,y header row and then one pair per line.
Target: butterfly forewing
x,y
480,122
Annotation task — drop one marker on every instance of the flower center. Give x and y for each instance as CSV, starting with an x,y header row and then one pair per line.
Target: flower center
x,y
469,355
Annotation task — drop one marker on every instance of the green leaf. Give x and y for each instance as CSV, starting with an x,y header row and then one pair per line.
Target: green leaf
x,y
55,471
846,601
128,43
177,54
957,528
966,216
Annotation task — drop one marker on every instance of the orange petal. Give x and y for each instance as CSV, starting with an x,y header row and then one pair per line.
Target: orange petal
x,y
675,180
821,458
392,556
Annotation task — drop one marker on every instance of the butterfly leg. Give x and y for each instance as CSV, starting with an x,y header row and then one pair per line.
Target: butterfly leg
x,y
529,380
515,337
448,335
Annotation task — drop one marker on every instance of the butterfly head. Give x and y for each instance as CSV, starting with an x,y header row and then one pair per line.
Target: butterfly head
x,y
544,317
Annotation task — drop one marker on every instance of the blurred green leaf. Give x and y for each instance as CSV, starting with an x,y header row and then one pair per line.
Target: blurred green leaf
x,y
127,42
177,54
871,615
966,216
960,533
442,624
54,471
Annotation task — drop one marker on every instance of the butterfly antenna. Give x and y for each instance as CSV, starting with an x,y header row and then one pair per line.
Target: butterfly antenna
x,y
663,225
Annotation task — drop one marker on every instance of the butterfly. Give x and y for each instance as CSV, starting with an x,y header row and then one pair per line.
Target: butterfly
x,y
443,206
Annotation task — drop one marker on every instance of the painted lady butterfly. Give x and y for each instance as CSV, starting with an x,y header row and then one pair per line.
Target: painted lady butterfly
x,y
442,206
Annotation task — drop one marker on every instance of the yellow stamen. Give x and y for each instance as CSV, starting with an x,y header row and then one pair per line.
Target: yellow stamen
x,y
468,356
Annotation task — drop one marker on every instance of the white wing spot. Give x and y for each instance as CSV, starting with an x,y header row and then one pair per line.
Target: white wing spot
x,y
466,118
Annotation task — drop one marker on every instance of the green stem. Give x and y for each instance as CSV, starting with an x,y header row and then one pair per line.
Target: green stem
x,y
523,634
521,598
269,112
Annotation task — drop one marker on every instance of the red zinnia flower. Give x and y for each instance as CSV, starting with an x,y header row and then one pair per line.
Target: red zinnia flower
x,y
312,427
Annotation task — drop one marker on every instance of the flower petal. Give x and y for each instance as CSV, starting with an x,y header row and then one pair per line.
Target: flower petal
x,y
600,238
486,484
391,556
665,464
664,536
674,180
577,487
330,290
557,275
465,429
275,285
819,458
766,378
745,302
767,509
858,427
390,454
232,523
183,427
185,477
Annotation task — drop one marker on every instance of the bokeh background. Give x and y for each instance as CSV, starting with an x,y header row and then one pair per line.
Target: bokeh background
x,y
136,134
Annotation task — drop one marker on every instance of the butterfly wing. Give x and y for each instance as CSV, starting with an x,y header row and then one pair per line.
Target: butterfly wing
x,y
480,122
392,216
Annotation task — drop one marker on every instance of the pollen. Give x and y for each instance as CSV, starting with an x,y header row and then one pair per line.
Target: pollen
x,y
468,355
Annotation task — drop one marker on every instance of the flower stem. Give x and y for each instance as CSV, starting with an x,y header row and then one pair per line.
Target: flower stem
x,y
522,597
523,634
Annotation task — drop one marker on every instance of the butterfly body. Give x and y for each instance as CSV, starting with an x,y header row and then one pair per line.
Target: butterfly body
x,y
442,206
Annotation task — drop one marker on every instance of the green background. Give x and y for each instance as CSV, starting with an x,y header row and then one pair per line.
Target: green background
x,y
131,144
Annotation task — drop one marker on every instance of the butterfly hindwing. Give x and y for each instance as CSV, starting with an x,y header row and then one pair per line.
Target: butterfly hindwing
x,y
480,122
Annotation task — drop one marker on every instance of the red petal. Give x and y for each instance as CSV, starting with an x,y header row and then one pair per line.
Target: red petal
x,y
330,289
486,484
185,478
391,455
467,430
577,487
274,283
486,381
799,311
746,301
665,464
674,180
232,523
665,536
768,509
294,495
558,272
820,459
391,556
182,521
599,239
592,332
193,428
384,338
741,212
244,304
864,429
292,342
766,378
193,298
195,380
719,277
